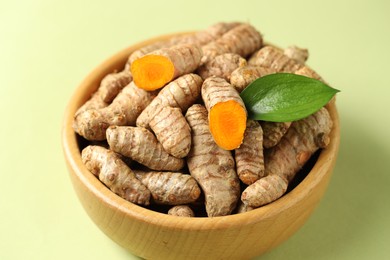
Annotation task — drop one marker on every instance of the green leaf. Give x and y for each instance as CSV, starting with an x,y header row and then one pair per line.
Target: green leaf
x,y
285,97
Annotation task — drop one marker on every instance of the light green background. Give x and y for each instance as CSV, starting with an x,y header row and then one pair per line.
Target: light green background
x,y
47,47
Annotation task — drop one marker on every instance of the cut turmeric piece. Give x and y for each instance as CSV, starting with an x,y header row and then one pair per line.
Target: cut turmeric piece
x,y
227,113
227,124
156,69
152,71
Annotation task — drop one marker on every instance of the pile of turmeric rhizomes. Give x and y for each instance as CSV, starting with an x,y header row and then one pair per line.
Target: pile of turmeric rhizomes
x,y
170,131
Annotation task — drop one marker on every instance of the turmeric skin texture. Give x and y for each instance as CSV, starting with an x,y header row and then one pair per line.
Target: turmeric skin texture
x,y
227,113
284,160
109,87
95,102
181,93
243,76
308,72
170,188
142,146
267,189
298,54
113,83
222,66
211,166
242,40
124,110
172,131
292,60
200,38
181,211
159,67
115,174
273,132
273,58
249,157
213,32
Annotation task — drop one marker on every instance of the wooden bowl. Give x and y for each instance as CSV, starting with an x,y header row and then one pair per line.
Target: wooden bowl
x,y
154,235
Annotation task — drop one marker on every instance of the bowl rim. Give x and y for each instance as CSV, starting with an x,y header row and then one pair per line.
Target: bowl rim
x,y
106,196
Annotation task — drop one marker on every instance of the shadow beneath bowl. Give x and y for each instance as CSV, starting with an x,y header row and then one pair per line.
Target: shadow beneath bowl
x,y
352,215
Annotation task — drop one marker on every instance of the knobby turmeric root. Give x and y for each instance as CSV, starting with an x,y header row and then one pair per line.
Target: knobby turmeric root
x,y
211,166
227,112
298,54
242,40
181,93
115,174
308,72
95,102
170,188
181,211
142,146
113,83
291,61
109,87
172,131
273,58
249,157
213,32
222,66
124,110
273,132
311,134
264,191
159,67
284,160
200,38
243,76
